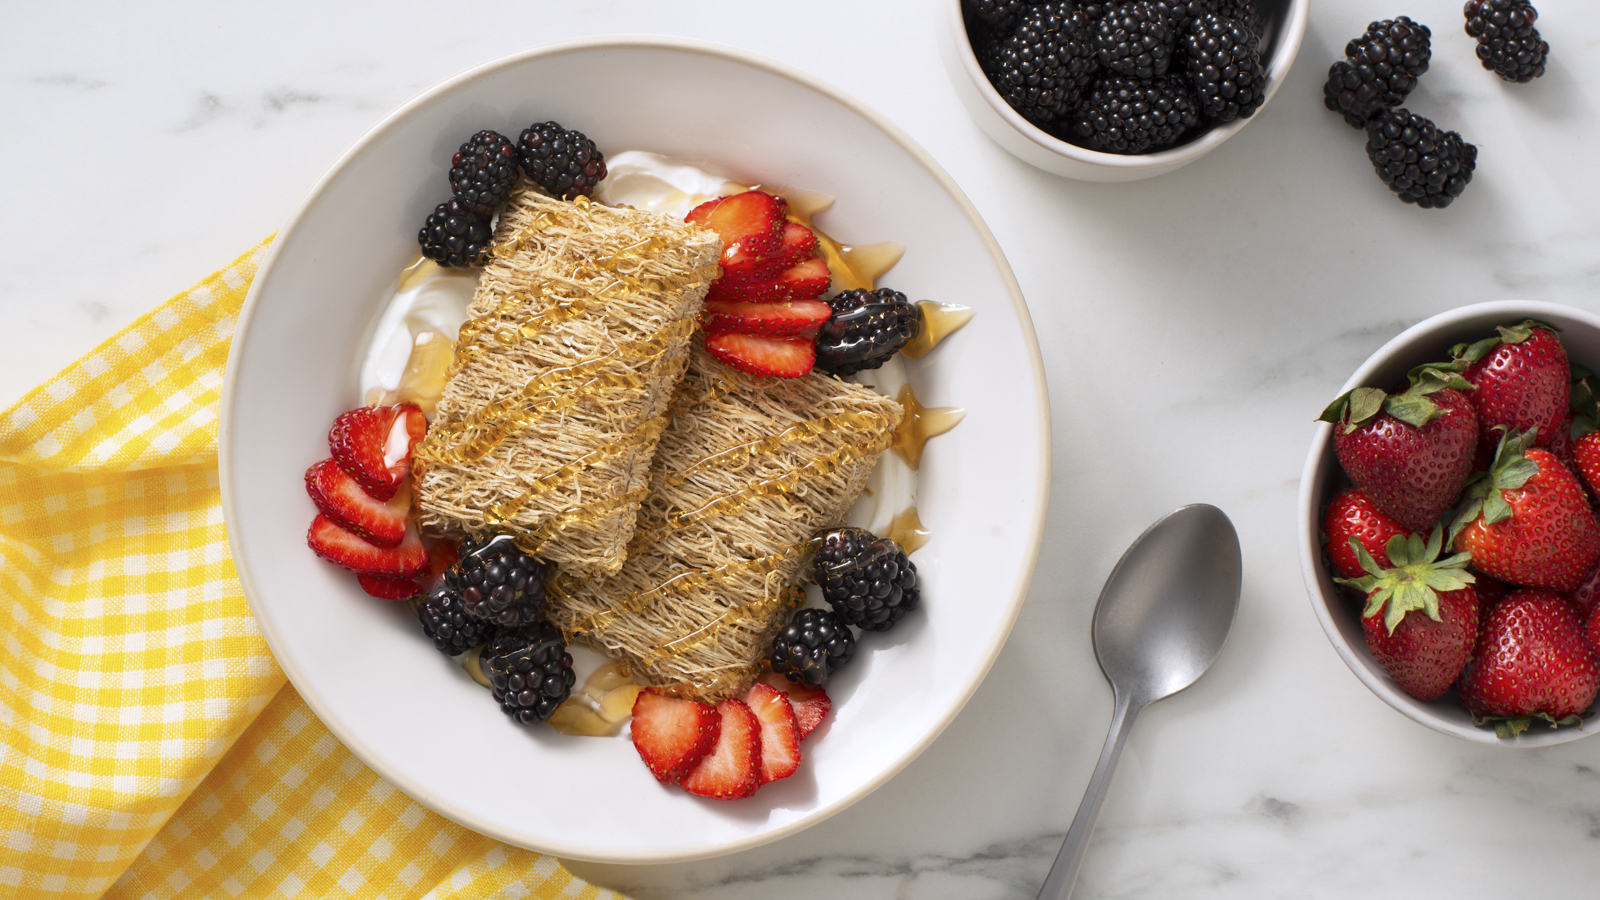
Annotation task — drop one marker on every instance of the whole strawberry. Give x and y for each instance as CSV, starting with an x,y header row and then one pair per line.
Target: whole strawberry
x,y
1421,617
1353,515
1521,378
1591,632
1526,520
1411,452
1531,663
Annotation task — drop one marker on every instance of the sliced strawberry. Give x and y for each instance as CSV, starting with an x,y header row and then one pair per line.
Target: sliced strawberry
x,y
386,588
765,356
801,317
340,498
780,734
799,242
673,735
807,279
442,554
373,444
811,704
336,545
733,767
750,224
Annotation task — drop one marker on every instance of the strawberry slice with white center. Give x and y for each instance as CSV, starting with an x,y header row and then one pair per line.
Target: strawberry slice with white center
x,y
772,357
374,443
340,498
780,734
348,549
751,226
811,704
799,318
673,735
733,767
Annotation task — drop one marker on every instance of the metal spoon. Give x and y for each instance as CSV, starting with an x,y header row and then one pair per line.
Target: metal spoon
x,y
1159,624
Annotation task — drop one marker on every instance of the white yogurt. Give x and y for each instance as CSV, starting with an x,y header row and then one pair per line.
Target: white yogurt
x,y
656,184
436,302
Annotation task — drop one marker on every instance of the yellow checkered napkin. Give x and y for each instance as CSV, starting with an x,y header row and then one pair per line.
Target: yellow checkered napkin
x,y
149,746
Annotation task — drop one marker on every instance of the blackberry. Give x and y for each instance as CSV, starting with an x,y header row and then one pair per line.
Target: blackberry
x,y
483,171
1127,115
1135,40
1416,160
814,645
564,163
498,582
1379,69
1183,13
1508,44
1225,68
447,624
866,328
530,671
1000,15
455,236
1044,64
865,578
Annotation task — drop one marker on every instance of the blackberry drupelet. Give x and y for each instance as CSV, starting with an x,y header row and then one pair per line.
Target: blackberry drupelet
x,y
866,328
564,163
498,582
1044,64
530,671
1127,115
447,624
1416,160
865,578
1379,69
483,171
1000,15
1135,39
1508,44
814,645
1225,68
454,236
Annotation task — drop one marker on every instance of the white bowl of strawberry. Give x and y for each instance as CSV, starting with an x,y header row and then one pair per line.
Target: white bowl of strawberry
x,y
1448,532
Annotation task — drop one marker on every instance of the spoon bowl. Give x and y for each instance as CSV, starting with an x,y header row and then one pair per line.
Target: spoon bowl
x,y
1161,620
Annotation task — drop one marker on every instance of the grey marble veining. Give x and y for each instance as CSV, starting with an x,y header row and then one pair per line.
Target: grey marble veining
x,y
1194,326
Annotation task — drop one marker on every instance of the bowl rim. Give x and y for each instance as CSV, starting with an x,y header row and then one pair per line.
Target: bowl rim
x,y
1283,56
1320,464
230,417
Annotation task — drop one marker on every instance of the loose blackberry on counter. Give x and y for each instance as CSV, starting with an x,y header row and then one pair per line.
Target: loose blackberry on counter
x,y
1135,39
1127,115
867,579
1379,69
1225,67
1042,66
564,163
446,623
814,645
529,671
866,328
483,171
1416,160
1508,44
498,582
454,235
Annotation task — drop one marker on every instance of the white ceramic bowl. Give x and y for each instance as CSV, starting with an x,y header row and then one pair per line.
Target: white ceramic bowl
x,y
1339,610
412,714
1285,28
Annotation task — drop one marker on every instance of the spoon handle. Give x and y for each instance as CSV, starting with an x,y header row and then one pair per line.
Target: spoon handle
x,y
1064,872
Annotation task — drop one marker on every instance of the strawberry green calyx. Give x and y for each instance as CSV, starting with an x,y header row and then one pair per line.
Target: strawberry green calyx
x,y
1358,406
1510,470
1511,726
1468,354
1413,582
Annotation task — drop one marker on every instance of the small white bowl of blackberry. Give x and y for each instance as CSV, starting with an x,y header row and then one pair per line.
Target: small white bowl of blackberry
x,y
1118,90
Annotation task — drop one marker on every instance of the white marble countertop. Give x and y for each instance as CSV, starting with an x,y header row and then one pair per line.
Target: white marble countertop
x,y
1194,325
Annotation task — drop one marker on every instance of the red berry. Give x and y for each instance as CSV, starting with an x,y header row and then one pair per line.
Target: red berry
x,y
373,444
733,767
1532,660
672,735
764,356
1352,514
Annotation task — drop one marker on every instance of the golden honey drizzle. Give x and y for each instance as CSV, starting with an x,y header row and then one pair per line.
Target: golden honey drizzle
x,y
740,454
919,424
853,267
792,597
538,484
939,321
907,531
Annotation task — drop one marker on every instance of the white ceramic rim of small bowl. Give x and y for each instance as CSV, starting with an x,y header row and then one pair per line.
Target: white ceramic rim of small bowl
x,y
1035,532
1320,465
1283,56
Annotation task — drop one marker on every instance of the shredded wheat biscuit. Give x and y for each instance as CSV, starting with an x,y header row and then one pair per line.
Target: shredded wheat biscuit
x,y
576,337
748,471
